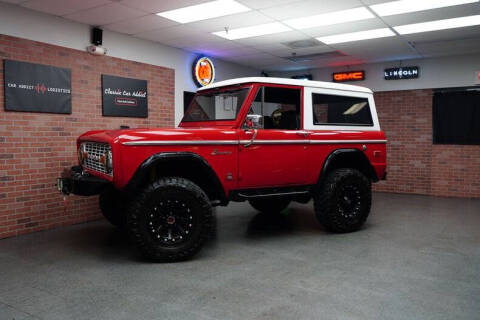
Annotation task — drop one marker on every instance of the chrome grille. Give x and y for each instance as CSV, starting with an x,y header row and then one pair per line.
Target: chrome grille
x,y
95,151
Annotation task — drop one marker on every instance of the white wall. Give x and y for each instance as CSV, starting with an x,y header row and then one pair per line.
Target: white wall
x,y
445,72
23,23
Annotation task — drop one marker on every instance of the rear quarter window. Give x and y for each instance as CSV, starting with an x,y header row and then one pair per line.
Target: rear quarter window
x,y
341,110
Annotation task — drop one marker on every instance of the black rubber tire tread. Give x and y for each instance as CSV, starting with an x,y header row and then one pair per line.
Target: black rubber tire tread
x,y
326,198
139,208
270,205
112,205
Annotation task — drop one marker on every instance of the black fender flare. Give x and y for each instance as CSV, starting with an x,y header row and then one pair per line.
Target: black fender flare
x,y
142,171
335,154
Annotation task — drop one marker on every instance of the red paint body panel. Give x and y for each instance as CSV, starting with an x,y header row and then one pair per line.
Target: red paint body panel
x,y
267,163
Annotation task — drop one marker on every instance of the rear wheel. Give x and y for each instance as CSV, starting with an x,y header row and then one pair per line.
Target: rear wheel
x,y
270,205
343,201
170,220
112,204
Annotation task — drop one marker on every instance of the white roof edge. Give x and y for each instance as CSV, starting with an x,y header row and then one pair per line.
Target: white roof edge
x,y
295,82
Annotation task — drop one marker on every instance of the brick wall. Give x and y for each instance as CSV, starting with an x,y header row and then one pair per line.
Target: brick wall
x,y
415,165
36,147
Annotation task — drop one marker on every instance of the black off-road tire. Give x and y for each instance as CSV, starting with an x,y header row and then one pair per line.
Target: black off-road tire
x,y
270,205
343,201
112,204
170,220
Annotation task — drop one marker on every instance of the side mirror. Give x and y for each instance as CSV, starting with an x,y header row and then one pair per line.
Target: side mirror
x,y
254,121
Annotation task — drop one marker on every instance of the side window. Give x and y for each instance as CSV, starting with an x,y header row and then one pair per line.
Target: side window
x,y
280,107
341,110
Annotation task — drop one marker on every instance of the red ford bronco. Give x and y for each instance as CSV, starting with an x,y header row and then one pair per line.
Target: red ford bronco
x,y
269,141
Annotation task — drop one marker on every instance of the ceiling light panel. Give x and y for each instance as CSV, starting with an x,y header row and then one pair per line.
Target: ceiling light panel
x,y
204,11
330,18
406,6
357,36
255,31
438,25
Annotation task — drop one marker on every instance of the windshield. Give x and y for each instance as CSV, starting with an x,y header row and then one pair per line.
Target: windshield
x,y
213,106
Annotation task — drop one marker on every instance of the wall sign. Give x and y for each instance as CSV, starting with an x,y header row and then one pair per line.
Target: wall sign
x,y
477,77
303,77
401,73
203,71
31,87
124,97
349,76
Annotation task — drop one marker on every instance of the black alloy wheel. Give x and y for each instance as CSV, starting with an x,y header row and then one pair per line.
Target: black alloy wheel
x,y
342,202
170,220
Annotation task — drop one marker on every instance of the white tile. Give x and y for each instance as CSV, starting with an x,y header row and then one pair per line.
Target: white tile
x,y
263,4
436,14
156,6
472,33
308,8
175,32
273,38
240,20
240,51
202,40
287,52
62,7
141,24
369,24
377,49
106,14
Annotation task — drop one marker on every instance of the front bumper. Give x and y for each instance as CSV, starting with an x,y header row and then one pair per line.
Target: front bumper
x,y
80,183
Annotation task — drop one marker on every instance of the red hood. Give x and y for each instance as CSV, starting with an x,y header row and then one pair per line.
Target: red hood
x,y
176,134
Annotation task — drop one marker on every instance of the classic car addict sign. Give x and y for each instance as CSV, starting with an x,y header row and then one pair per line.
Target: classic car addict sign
x,y
401,73
33,87
124,97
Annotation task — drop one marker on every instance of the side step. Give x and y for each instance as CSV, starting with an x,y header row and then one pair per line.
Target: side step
x,y
294,191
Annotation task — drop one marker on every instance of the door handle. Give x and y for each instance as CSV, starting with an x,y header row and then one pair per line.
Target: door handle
x,y
246,145
303,133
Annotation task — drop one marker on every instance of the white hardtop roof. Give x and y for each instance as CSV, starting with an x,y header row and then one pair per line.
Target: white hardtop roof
x,y
295,82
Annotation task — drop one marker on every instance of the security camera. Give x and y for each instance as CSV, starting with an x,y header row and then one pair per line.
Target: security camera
x,y
96,50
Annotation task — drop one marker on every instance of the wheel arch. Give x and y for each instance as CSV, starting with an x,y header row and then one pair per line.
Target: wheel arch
x,y
348,158
187,165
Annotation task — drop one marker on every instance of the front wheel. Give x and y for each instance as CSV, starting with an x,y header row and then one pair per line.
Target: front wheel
x,y
170,220
343,201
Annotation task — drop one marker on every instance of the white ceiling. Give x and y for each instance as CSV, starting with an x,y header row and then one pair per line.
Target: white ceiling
x,y
137,18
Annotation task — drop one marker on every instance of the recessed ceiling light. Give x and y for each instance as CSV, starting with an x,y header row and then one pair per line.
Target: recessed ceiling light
x,y
255,31
357,36
204,11
330,18
405,6
439,25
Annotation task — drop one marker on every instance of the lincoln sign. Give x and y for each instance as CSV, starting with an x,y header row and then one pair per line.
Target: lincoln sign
x,y
401,73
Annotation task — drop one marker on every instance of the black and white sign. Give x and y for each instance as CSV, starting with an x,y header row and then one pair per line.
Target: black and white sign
x,y
124,97
401,73
31,87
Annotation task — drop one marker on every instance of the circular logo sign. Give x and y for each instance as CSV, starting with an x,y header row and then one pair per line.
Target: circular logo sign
x,y
203,71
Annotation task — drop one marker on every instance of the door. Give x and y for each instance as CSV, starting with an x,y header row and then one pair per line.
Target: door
x,y
274,154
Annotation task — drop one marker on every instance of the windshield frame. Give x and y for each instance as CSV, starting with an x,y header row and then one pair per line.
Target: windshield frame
x,y
232,121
